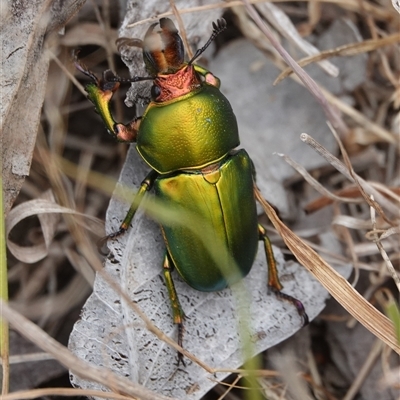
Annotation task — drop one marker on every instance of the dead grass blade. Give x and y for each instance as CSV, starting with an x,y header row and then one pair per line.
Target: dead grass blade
x,y
66,392
331,113
282,23
346,170
336,285
37,207
346,50
82,368
315,184
365,370
350,191
375,237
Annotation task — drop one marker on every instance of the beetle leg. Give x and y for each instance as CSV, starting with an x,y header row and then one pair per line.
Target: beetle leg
x,y
145,186
100,93
177,312
273,279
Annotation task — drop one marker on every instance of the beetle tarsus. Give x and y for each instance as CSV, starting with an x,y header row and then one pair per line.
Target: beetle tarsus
x,y
180,360
101,243
273,278
219,26
117,233
297,303
80,66
181,329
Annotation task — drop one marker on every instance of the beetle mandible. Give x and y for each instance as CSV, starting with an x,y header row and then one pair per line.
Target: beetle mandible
x,y
188,135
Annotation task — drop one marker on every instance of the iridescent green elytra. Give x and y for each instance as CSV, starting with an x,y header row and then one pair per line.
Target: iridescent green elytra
x,y
188,136
238,230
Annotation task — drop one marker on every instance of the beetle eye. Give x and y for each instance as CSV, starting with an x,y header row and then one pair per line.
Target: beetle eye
x,y
155,92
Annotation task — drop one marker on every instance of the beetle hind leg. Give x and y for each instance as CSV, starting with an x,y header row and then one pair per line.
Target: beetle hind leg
x,y
177,312
273,279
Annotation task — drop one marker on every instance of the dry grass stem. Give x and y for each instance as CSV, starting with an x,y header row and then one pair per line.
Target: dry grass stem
x,y
37,207
52,229
281,22
32,357
382,251
314,183
373,355
337,164
346,50
82,368
65,392
337,286
332,116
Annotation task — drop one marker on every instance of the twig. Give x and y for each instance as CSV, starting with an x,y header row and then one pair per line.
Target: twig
x,y
365,370
338,287
336,163
384,255
332,115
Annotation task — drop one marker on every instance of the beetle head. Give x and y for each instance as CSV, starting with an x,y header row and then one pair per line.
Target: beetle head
x,y
163,50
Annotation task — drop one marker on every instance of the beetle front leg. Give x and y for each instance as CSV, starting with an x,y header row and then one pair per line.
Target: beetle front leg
x,y
100,93
273,279
145,186
177,312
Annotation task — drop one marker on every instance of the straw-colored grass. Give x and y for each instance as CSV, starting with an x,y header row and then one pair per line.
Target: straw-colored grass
x,y
74,168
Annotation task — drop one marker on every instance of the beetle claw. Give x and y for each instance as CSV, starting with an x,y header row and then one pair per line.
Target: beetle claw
x,y
180,360
297,303
219,26
80,66
101,243
108,81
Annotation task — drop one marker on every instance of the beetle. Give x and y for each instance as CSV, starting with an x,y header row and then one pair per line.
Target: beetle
x,y
189,136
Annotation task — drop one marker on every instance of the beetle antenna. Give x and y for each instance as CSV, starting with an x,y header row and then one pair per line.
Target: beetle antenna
x,y
134,79
109,76
218,27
